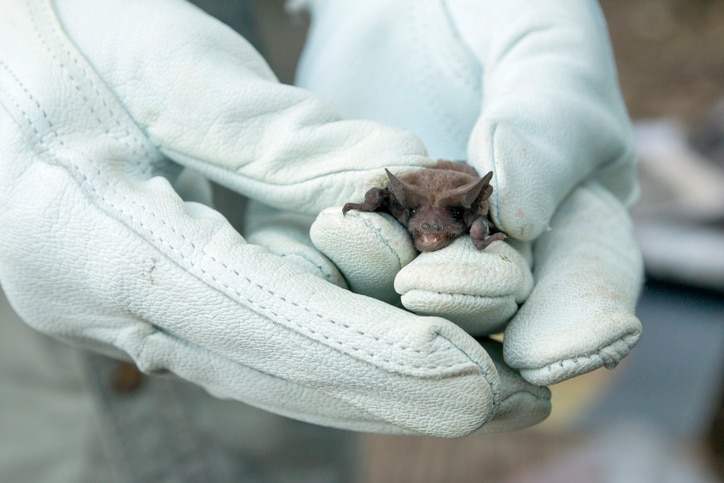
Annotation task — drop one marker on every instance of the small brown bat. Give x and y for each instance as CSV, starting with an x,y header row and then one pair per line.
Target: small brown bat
x,y
437,205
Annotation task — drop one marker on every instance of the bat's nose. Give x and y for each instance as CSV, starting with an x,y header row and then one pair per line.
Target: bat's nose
x,y
434,228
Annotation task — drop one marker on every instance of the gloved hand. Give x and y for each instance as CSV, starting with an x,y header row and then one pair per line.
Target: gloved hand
x,y
526,89
102,104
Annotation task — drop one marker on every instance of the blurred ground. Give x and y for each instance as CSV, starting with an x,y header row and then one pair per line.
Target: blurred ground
x,y
670,55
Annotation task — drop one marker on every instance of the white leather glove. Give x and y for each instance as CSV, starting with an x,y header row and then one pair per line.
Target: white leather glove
x,y
526,89
102,102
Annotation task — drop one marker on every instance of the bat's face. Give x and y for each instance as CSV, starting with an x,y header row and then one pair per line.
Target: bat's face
x,y
432,205
435,227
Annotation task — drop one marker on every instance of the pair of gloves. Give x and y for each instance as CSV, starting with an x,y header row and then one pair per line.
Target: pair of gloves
x,y
104,104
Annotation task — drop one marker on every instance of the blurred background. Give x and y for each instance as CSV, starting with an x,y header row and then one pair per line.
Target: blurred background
x,y
658,417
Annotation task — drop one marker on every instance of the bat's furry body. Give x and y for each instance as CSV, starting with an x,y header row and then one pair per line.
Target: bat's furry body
x,y
437,205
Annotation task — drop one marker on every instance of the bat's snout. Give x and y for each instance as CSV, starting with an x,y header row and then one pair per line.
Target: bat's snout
x,y
433,228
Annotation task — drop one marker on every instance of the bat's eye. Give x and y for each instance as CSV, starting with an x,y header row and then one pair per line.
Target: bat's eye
x,y
412,211
458,213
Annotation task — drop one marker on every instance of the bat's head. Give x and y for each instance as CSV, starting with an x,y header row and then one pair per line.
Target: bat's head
x,y
434,206
433,228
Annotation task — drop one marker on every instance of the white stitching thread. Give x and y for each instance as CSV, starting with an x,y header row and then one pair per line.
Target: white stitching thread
x,y
137,142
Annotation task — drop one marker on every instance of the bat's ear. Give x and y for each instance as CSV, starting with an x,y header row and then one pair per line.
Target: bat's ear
x,y
406,195
486,190
466,195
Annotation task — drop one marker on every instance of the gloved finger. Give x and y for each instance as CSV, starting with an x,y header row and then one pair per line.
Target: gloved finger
x,y
286,235
368,248
580,315
191,186
479,290
207,100
522,404
552,113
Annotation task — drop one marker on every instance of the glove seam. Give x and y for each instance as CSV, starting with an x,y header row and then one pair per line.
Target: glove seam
x,y
523,391
451,294
629,340
377,232
271,311
284,299
345,402
82,67
320,268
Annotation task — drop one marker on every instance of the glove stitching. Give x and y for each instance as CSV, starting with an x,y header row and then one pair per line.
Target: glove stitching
x,y
239,275
268,309
322,318
601,354
83,69
30,96
257,285
322,269
454,294
524,392
377,232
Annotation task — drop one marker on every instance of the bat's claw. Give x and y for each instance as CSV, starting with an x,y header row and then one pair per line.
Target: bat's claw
x,y
481,244
480,233
349,206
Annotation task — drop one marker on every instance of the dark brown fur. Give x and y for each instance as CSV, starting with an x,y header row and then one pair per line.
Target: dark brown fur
x,y
437,205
